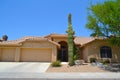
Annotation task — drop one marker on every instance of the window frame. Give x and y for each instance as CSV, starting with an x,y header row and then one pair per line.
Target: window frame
x,y
105,52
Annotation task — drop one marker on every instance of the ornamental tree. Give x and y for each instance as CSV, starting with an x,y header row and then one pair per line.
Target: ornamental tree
x,y
104,20
70,33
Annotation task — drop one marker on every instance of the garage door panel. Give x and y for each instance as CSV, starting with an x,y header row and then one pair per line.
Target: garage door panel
x,y
33,55
8,54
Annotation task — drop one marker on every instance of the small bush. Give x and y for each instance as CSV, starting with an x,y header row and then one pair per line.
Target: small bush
x,y
71,64
106,62
56,64
75,57
92,60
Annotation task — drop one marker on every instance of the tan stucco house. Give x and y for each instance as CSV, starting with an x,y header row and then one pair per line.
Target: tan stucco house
x,y
55,47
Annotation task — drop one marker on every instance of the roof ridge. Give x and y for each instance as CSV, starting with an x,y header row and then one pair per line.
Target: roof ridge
x,y
54,34
84,37
25,37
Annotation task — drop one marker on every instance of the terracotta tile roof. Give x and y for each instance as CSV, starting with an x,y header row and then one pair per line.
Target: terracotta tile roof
x,y
35,38
31,38
27,38
56,35
13,42
83,40
78,40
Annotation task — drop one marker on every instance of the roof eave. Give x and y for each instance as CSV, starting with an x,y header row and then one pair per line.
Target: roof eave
x,y
10,45
58,45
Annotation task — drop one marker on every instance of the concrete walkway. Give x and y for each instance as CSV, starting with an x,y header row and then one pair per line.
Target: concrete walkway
x,y
60,76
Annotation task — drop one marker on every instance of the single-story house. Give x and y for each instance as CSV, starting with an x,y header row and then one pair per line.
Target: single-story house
x,y
55,47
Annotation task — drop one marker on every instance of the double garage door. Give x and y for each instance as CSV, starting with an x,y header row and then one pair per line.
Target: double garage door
x,y
27,55
36,55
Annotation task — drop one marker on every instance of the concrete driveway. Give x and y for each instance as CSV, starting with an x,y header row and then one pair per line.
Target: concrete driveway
x,y
23,67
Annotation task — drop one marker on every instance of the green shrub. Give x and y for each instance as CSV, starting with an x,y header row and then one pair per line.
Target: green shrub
x,y
93,60
106,61
56,63
76,53
75,57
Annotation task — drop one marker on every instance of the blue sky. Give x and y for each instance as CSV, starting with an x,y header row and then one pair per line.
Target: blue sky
x,y
20,18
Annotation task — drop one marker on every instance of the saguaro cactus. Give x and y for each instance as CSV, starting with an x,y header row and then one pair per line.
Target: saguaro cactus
x,y
70,33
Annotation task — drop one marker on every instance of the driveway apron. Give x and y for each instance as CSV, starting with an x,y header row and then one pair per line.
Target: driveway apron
x,y
23,67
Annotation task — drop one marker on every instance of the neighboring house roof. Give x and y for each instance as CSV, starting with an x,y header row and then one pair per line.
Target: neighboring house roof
x,y
27,38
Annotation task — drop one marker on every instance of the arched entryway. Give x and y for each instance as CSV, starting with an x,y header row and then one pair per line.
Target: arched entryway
x,y
63,52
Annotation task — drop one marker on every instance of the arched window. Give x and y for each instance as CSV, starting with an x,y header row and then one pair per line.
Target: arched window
x,y
105,52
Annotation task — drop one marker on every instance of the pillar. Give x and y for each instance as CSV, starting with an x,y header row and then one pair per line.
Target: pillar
x,y
17,54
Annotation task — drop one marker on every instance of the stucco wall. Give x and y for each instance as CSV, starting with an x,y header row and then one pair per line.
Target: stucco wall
x,y
37,44
0,53
60,39
85,53
54,53
93,50
116,56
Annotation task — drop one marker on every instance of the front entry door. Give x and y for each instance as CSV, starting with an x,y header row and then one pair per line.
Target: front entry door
x,y
63,54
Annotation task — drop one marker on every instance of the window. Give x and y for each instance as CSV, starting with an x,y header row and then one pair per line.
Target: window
x,y
105,52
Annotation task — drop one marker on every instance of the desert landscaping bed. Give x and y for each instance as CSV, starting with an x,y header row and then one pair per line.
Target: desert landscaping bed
x,y
77,68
